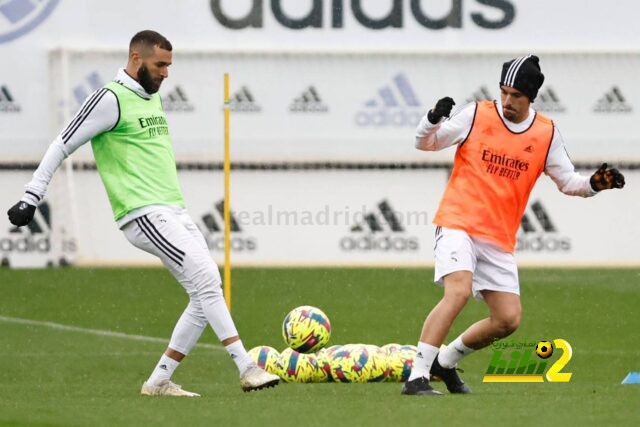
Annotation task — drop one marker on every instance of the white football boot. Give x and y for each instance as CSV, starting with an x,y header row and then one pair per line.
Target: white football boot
x,y
255,378
166,388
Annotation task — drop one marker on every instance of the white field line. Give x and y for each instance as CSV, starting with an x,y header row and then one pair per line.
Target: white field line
x,y
98,332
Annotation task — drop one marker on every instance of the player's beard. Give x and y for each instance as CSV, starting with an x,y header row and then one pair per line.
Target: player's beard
x,y
147,82
509,114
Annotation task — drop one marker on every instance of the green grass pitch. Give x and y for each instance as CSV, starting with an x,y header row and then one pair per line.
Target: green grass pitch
x,y
60,377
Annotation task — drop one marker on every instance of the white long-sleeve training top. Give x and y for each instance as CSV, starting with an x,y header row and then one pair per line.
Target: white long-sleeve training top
x,y
99,113
452,131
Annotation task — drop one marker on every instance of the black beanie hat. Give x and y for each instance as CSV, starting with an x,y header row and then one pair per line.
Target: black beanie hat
x,y
523,74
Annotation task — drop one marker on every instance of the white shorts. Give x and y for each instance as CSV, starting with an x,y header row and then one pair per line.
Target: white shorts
x,y
493,268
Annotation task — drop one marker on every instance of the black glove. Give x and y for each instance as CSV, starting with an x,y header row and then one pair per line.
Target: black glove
x,y
442,109
606,179
21,213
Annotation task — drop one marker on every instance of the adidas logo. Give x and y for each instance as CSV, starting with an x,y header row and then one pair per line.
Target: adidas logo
x,y
7,102
612,102
379,231
92,82
373,224
212,228
480,95
548,102
176,101
396,104
243,102
538,233
529,149
308,102
35,237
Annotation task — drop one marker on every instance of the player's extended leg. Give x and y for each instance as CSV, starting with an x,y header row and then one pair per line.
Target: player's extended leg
x,y
505,313
165,234
504,319
457,289
184,337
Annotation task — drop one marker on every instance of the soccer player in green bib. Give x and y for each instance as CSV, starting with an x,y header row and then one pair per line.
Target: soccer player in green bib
x,y
132,147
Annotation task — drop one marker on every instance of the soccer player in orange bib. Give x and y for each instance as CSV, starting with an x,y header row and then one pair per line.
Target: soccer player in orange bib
x,y
502,149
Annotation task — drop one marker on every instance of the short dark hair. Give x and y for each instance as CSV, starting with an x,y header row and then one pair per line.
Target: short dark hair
x,y
147,39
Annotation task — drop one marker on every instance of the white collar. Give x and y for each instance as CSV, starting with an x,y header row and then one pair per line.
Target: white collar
x,y
125,79
516,127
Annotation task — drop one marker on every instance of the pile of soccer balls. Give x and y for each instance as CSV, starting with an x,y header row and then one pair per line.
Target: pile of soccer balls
x,y
306,331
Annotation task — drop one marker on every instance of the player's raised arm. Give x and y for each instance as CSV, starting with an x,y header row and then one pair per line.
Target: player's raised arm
x,y
437,130
561,170
98,114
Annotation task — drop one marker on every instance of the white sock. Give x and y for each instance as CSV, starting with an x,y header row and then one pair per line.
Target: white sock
x,y
163,371
453,353
422,362
240,356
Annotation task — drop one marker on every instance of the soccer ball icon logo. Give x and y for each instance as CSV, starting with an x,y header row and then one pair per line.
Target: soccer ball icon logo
x,y
544,349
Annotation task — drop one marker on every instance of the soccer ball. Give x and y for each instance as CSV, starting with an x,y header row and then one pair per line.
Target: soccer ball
x,y
401,362
356,363
294,367
323,358
544,349
348,362
306,329
265,357
321,373
378,368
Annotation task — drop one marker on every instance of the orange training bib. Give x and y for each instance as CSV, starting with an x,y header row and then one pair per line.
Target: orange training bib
x,y
493,174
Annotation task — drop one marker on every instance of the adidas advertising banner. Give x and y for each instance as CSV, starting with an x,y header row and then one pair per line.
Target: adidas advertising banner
x,y
362,105
309,108
324,218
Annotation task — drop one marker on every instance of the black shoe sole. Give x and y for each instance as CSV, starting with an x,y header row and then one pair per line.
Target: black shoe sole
x,y
270,384
467,390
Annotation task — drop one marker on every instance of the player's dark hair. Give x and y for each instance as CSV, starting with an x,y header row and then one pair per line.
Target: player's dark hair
x,y
147,39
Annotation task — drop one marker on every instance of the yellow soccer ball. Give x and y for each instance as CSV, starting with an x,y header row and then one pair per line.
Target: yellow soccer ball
x,y
544,349
323,358
401,362
265,357
306,329
294,367
377,369
347,364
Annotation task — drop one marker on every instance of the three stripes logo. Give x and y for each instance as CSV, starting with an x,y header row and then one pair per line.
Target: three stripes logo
x,y
7,101
32,238
396,105
482,94
380,230
156,237
538,233
85,110
612,102
243,101
308,102
176,101
548,102
212,227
